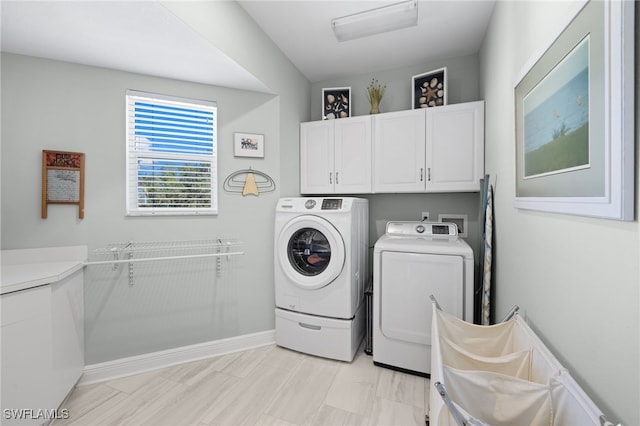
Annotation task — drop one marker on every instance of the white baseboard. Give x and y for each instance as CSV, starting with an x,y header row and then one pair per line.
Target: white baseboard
x,y
141,363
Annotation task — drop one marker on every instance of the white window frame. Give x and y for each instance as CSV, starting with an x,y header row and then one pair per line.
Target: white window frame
x,y
183,152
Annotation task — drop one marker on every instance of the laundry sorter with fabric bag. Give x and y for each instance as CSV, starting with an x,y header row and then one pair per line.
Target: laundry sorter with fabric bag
x,y
500,375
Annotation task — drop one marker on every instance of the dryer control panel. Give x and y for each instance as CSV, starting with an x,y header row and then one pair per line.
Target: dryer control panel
x,y
432,229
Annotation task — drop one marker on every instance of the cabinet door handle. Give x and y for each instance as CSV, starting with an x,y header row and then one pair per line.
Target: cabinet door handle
x,y
337,183
421,174
429,174
330,178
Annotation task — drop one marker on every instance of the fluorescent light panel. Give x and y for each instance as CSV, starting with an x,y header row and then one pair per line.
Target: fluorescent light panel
x,y
376,21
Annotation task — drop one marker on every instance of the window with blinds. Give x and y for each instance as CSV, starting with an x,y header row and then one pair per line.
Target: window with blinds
x,y
171,155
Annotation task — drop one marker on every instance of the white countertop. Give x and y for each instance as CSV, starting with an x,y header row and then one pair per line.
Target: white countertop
x,y
27,268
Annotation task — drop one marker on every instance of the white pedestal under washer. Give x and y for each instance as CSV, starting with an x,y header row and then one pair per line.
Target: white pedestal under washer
x,y
412,261
320,271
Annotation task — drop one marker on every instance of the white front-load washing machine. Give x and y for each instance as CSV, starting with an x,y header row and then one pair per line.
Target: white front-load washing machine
x,y
412,261
320,271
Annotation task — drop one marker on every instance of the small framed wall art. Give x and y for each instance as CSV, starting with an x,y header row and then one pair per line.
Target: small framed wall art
x,y
248,145
429,89
336,103
62,180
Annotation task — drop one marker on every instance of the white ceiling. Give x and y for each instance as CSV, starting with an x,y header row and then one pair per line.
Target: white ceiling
x,y
144,37
302,30
135,36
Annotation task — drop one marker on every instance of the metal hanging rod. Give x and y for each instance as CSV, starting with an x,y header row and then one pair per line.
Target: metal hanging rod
x,y
135,247
152,259
117,253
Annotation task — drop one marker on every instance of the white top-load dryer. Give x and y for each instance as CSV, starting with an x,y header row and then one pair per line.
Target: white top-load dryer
x,y
320,271
412,261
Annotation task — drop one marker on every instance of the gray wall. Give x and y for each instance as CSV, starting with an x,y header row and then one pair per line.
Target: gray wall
x,y
61,106
576,279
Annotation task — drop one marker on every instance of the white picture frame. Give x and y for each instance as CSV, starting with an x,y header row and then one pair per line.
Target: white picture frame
x,y
248,145
429,89
611,118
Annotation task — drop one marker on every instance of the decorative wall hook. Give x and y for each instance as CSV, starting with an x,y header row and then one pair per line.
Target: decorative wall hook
x,y
249,182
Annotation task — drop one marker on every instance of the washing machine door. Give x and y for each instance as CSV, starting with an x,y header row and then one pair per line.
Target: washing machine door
x,y
311,252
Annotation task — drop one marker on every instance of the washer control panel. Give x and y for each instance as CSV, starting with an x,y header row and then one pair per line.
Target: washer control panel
x,y
432,229
304,204
332,204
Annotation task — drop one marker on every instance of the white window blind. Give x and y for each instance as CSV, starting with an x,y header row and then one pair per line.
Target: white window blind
x,y
171,155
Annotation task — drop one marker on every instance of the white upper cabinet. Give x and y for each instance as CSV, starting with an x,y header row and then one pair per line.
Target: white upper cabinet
x,y
352,155
437,149
335,156
316,157
399,151
455,147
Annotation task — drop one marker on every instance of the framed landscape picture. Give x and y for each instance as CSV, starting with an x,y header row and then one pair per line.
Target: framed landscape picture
x,y
574,118
555,112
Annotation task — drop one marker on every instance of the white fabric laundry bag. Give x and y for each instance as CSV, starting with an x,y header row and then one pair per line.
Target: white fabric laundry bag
x,y
515,364
489,341
501,375
498,399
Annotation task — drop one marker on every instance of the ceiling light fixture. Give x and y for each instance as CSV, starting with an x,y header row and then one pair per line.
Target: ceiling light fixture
x,y
376,21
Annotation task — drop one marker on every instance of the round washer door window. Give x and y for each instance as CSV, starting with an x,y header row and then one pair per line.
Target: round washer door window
x,y
311,252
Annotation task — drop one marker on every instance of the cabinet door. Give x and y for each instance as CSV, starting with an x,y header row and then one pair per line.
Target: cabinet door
x,y
352,160
399,151
26,351
455,147
316,157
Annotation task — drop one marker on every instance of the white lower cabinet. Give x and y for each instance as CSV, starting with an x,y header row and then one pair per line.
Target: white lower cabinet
x,y
42,328
335,156
437,149
27,345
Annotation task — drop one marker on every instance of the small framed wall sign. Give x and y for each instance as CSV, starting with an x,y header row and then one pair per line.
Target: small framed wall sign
x,y
336,103
248,145
62,180
429,89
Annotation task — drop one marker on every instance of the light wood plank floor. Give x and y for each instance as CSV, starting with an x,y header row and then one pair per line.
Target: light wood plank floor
x,y
264,386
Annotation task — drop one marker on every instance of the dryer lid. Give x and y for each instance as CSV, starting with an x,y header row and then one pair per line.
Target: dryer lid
x,y
408,237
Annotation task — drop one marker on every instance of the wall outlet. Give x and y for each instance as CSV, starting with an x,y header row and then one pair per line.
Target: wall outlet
x,y
425,216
